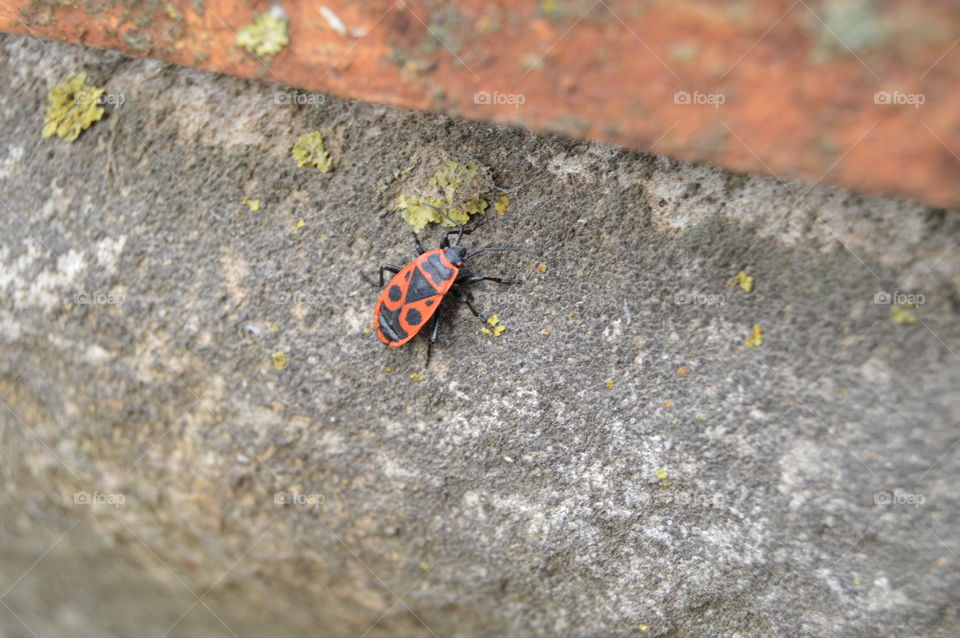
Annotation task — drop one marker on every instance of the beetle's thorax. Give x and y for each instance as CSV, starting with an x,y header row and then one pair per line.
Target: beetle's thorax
x,y
454,255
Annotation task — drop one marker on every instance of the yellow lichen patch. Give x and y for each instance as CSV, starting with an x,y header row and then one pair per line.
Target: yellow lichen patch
x,y
424,566
501,204
300,224
661,474
455,189
609,385
550,7
418,213
280,360
416,376
542,268
252,204
310,151
73,108
452,176
644,627
756,340
265,36
743,280
410,69
544,334
902,315
497,327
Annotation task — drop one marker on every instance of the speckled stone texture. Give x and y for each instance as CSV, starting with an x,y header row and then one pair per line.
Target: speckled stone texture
x,y
617,463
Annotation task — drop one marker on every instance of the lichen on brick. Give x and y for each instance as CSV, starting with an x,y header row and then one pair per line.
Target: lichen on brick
x,y
844,27
265,36
73,108
310,151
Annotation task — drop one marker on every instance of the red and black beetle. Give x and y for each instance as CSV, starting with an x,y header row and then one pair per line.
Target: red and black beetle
x,y
413,296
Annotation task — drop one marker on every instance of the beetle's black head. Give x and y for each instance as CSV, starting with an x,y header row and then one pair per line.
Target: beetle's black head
x,y
455,255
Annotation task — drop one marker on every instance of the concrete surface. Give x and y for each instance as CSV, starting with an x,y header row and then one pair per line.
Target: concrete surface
x,y
638,471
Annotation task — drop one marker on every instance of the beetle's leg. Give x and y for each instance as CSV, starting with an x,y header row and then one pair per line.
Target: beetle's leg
x,y
471,279
434,332
445,239
388,268
462,297
416,242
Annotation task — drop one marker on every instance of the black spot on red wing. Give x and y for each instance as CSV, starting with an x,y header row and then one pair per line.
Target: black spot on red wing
x,y
419,288
390,324
428,302
406,275
414,317
395,293
435,268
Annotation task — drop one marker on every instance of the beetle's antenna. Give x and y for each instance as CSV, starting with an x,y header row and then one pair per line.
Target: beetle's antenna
x,y
499,249
449,219
481,218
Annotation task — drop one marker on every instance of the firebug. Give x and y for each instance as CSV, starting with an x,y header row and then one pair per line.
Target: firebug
x,y
413,297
